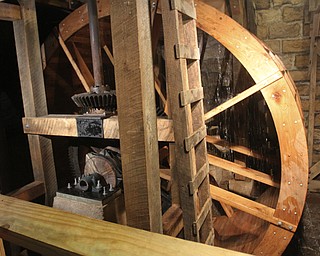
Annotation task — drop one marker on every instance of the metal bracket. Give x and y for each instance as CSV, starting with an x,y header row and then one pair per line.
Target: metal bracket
x,y
90,126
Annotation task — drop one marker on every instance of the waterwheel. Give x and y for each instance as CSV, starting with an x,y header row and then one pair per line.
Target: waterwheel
x,y
265,223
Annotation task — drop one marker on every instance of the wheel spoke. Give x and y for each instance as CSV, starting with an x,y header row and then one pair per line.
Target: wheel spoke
x,y
243,95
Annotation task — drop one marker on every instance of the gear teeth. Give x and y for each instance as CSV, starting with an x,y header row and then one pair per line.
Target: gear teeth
x,y
106,100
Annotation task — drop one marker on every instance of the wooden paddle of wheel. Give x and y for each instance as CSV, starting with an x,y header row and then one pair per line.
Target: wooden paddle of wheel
x,y
265,226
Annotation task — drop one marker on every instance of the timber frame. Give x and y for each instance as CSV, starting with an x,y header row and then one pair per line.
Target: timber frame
x,y
271,78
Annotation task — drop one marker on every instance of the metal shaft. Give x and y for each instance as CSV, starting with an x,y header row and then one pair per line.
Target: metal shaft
x,y
95,43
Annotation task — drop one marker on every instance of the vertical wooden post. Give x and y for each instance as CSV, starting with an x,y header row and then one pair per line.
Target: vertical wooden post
x,y
130,25
2,251
33,93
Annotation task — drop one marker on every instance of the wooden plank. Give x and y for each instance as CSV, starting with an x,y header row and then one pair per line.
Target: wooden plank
x,y
29,192
313,84
314,171
241,170
2,251
243,95
66,125
83,67
256,209
184,6
109,54
74,64
314,186
56,3
186,52
195,138
226,145
39,228
137,113
172,221
9,12
191,96
33,94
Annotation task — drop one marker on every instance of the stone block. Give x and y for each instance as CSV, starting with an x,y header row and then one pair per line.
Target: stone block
x,y
302,61
282,2
262,4
306,30
300,75
268,16
262,32
274,45
303,88
291,13
296,46
287,60
284,30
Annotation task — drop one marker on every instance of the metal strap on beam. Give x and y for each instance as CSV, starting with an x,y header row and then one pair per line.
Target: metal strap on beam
x,y
183,51
200,176
193,140
185,7
191,96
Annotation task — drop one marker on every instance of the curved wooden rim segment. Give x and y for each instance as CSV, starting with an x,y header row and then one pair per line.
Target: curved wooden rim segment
x,y
279,93
281,98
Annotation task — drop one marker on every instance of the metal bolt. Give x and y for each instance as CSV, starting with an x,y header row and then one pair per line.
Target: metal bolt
x,y
69,186
98,185
283,209
274,232
153,4
273,96
285,238
295,213
279,223
300,184
104,193
290,227
284,124
289,182
295,121
284,90
27,126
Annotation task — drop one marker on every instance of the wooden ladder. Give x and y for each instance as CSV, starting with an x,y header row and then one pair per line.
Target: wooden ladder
x,y
186,105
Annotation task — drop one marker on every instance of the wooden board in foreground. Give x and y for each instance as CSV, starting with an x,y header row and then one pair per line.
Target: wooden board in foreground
x,y
41,228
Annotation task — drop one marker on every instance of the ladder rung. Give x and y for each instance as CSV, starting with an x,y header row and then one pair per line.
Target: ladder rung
x,y
200,176
186,7
210,238
183,51
191,96
202,216
193,140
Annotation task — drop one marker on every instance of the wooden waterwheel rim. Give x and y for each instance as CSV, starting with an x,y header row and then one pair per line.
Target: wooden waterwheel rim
x,y
279,92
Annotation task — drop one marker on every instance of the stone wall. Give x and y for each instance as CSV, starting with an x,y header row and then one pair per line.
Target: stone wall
x,y
284,25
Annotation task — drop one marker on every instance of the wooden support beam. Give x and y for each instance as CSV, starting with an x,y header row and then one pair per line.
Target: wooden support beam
x,y
313,83
314,171
226,145
83,66
29,192
33,94
74,64
66,125
39,228
243,95
172,221
137,113
9,12
256,209
109,54
241,170
2,251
